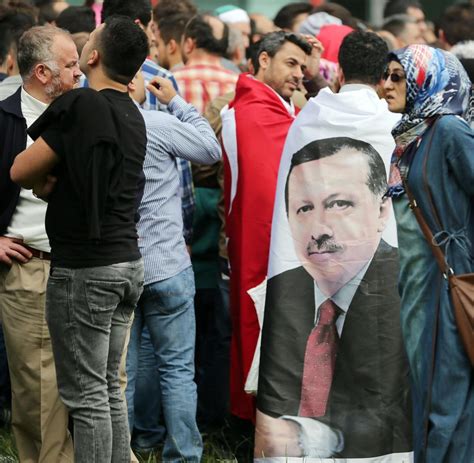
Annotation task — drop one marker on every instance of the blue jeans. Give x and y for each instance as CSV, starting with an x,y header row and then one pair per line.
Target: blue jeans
x,y
88,311
167,309
143,392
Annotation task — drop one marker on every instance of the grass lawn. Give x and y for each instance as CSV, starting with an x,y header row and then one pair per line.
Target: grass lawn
x,y
230,444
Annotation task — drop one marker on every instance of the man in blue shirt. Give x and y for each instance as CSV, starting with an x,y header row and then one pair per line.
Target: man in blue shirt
x,y
166,307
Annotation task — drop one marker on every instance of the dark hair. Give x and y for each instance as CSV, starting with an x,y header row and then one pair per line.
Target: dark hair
x,y
273,42
457,22
7,41
363,57
285,18
76,19
173,26
167,8
123,46
133,9
397,24
394,7
201,31
319,149
47,12
24,8
251,52
16,21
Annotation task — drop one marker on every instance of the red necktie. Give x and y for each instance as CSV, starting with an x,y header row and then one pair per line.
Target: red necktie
x,y
319,362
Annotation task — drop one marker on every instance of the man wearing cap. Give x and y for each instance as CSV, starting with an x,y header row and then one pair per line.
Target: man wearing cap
x,y
236,18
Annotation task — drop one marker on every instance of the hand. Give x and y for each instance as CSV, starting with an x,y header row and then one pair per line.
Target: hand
x,y
11,248
312,65
44,188
276,437
162,88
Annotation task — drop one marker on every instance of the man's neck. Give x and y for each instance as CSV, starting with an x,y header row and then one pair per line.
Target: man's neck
x,y
36,91
99,81
174,61
259,77
359,82
201,56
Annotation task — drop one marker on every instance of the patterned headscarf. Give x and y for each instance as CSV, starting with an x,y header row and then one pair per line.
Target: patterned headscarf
x,y
437,84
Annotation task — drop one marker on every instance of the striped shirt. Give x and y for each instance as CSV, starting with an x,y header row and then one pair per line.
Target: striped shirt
x,y
188,136
149,70
202,81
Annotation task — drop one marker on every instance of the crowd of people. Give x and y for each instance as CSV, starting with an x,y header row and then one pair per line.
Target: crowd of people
x,y
208,217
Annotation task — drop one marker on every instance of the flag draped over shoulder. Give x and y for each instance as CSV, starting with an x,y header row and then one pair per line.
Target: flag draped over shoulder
x,y
333,268
255,126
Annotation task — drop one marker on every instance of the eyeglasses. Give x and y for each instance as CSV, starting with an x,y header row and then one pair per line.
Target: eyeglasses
x,y
394,77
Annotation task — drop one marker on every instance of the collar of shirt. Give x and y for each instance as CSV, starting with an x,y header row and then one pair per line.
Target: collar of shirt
x,y
289,106
204,61
354,87
343,297
31,107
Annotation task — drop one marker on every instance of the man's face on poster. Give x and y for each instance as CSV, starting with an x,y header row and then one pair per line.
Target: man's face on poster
x,y
335,219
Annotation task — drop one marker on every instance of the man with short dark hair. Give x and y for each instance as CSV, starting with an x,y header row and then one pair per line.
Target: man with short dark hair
x,y
6,45
411,8
456,25
13,23
76,19
140,11
337,311
48,64
255,126
203,77
94,140
166,306
333,176
168,35
404,30
290,17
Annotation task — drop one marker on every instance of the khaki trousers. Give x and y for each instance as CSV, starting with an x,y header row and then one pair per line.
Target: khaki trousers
x,y
39,418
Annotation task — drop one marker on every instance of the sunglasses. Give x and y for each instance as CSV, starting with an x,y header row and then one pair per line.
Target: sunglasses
x,y
393,77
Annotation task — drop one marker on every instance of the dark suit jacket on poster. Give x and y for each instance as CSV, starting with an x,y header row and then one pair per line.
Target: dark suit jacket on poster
x,y
369,399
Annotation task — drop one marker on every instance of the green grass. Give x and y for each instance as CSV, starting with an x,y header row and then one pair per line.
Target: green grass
x,y
229,444
7,448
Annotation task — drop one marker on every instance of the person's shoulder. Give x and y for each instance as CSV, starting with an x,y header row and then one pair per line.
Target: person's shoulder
x,y
451,121
451,127
153,69
82,96
292,276
156,119
11,106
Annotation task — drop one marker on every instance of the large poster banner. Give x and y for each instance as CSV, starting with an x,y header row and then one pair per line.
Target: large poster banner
x,y
333,377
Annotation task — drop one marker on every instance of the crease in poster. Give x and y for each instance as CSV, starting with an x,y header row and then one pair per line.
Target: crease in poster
x,y
333,379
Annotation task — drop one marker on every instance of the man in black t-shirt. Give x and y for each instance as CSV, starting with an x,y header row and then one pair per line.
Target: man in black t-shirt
x,y
87,160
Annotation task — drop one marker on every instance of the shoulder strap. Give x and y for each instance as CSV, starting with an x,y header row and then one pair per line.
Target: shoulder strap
x,y
437,252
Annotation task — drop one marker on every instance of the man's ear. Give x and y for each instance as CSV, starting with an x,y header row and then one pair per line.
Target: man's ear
x,y
93,58
42,73
340,76
10,63
384,213
264,60
189,45
442,38
172,47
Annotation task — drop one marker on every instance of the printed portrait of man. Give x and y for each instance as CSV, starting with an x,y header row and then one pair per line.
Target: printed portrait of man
x,y
333,379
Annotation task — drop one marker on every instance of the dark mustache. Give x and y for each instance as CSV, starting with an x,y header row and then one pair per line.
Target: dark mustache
x,y
323,243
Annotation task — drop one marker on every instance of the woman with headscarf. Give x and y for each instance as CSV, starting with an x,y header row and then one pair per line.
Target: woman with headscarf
x,y
435,155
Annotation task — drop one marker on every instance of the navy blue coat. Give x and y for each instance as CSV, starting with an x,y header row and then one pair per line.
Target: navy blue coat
x,y
12,142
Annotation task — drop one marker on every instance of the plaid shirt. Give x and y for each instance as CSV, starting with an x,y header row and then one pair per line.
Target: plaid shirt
x,y
203,80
